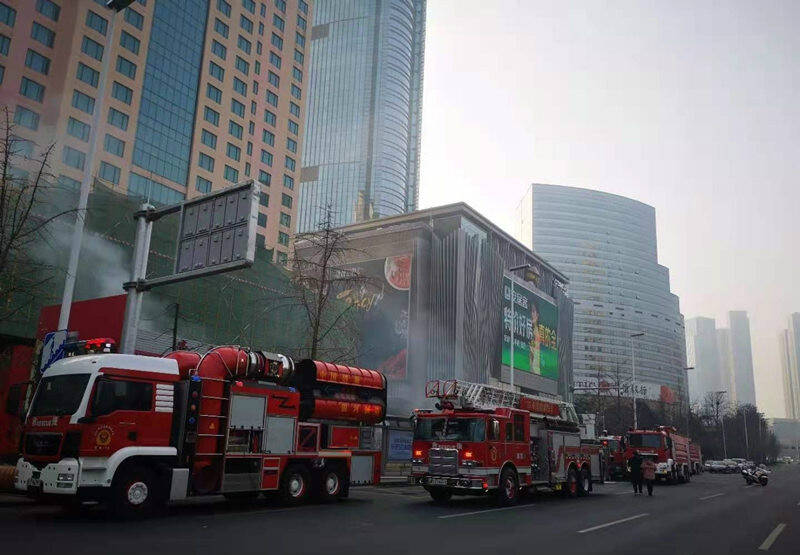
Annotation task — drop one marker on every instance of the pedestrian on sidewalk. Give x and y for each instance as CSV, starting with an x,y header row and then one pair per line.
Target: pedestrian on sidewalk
x,y
636,472
649,473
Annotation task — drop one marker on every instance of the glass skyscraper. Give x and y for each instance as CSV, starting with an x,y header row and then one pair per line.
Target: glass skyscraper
x,y
606,246
361,150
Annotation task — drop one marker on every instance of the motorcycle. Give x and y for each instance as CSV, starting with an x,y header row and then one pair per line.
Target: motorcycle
x,y
756,476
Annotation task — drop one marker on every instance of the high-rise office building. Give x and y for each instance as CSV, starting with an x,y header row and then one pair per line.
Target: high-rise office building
x,y
165,100
725,353
606,246
789,343
361,154
743,391
702,353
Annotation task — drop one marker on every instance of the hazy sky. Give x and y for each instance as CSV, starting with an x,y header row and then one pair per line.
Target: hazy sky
x,y
690,106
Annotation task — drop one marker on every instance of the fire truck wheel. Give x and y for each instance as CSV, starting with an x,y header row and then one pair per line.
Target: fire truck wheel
x,y
572,483
135,492
585,483
507,488
295,484
440,495
331,483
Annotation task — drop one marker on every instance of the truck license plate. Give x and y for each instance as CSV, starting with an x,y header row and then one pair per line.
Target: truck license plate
x,y
34,483
438,481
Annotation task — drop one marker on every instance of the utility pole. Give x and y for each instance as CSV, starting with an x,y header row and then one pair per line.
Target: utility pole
x,y
633,372
175,328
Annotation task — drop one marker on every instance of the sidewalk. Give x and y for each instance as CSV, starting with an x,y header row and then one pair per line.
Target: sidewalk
x,y
390,480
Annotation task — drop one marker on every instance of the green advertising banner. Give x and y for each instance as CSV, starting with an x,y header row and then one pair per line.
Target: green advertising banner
x,y
535,324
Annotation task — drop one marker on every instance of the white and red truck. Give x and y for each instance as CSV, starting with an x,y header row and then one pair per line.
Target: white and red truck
x,y
137,431
673,463
485,440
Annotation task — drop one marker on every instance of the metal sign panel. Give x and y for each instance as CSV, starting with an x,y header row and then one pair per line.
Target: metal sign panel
x,y
218,230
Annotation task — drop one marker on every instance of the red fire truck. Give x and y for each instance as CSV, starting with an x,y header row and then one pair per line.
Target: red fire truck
x,y
671,450
484,440
136,431
614,448
696,457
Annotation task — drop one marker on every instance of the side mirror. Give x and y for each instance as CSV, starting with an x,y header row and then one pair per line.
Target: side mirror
x,y
495,429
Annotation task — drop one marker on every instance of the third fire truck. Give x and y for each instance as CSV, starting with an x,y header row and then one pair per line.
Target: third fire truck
x,y
673,463
136,431
484,440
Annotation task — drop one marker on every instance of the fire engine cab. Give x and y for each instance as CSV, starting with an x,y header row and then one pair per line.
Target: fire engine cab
x,y
136,431
485,440
671,451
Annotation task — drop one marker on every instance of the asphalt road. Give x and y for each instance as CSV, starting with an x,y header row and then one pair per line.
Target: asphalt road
x,y
713,514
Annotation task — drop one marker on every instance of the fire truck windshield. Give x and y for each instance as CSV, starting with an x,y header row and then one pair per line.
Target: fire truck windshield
x,y
450,429
645,440
59,395
613,445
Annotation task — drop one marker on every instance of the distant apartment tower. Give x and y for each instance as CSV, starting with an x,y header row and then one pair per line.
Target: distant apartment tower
x,y
606,245
743,389
199,95
361,154
703,354
789,343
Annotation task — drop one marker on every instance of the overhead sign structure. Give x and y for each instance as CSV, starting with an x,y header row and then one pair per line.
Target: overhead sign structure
x,y
217,234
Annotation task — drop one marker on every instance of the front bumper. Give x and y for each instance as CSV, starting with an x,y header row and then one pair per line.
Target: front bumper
x,y
466,484
59,478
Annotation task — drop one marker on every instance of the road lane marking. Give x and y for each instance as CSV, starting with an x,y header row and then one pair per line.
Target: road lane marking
x,y
620,521
711,496
487,511
772,537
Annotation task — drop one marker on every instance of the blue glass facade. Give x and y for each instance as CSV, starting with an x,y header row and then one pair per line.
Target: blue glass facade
x,y
360,154
169,95
606,246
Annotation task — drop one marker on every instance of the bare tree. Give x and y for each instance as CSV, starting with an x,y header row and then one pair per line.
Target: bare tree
x,y
25,214
329,289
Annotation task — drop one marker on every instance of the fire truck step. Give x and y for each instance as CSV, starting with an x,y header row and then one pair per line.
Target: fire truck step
x,y
208,454
224,417
216,398
210,435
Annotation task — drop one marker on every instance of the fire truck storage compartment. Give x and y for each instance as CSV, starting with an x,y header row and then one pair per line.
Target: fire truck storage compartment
x,y
242,474
362,468
279,436
247,412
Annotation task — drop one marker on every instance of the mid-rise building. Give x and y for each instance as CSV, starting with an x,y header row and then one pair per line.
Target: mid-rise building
x,y
361,154
789,343
625,313
165,100
744,388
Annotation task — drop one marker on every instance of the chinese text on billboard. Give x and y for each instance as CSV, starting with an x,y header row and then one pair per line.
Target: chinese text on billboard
x,y
535,323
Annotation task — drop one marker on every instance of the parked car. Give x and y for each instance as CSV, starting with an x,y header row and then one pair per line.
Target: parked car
x,y
730,466
708,466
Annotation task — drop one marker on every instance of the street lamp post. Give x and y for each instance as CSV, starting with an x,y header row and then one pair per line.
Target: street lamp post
x,y
86,182
686,369
720,395
633,372
511,361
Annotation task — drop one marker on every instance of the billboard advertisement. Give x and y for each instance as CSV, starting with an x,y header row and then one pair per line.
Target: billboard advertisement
x,y
535,324
644,390
384,305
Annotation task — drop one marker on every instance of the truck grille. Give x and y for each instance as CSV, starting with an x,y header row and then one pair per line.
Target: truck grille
x,y
443,462
42,444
